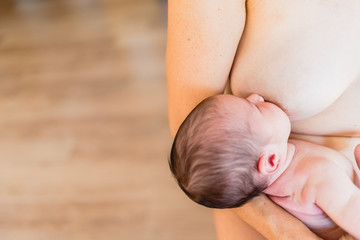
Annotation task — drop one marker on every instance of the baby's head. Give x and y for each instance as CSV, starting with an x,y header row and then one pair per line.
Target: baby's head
x,y
228,148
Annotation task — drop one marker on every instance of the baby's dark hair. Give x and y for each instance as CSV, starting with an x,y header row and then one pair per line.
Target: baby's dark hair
x,y
214,158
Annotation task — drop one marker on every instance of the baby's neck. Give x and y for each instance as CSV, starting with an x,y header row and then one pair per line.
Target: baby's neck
x,y
290,155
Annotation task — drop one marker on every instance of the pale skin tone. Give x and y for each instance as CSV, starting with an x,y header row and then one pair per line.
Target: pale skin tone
x,y
312,183
287,55
303,177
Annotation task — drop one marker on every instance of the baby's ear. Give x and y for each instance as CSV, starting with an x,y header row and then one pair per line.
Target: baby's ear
x,y
268,163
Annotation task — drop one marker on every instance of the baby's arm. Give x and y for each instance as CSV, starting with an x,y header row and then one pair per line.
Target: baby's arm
x,y
339,198
357,155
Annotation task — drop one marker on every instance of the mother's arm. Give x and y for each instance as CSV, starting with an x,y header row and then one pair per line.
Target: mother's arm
x,y
203,36
272,221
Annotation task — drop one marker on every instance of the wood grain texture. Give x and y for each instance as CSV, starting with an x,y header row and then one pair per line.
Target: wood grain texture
x,y
84,136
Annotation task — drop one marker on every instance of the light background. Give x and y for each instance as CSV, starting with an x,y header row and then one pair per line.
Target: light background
x,y
84,136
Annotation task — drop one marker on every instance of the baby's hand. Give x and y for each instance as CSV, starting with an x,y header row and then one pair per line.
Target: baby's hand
x,y
357,155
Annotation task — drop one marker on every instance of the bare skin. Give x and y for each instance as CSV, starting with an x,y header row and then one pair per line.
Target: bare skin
x,y
357,155
317,185
301,55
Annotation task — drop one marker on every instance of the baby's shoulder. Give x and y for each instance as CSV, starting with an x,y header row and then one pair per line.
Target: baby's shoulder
x,y
317,158
312,150
321,163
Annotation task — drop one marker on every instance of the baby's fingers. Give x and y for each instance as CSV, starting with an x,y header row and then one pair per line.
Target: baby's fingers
x,y
357,154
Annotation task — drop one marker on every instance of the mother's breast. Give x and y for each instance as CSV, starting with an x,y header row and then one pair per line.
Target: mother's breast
x,y
341,118
303,56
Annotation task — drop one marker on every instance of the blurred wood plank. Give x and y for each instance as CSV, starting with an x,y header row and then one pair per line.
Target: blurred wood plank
x,y
83,124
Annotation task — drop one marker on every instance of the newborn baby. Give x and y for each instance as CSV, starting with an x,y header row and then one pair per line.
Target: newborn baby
x,y
229,150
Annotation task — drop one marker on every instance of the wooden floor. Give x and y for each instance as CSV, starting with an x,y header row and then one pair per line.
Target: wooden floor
x,y
83,125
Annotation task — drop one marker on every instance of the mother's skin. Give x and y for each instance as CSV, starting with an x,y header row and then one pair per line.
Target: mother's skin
x,y
302,55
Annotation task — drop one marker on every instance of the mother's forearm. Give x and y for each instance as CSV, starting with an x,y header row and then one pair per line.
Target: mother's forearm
x,y
272,221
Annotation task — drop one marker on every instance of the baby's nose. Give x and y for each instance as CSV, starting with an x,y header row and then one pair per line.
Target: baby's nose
x,y
254,98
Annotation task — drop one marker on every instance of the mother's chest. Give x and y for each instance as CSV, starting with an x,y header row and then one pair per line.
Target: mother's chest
x,y
298,52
